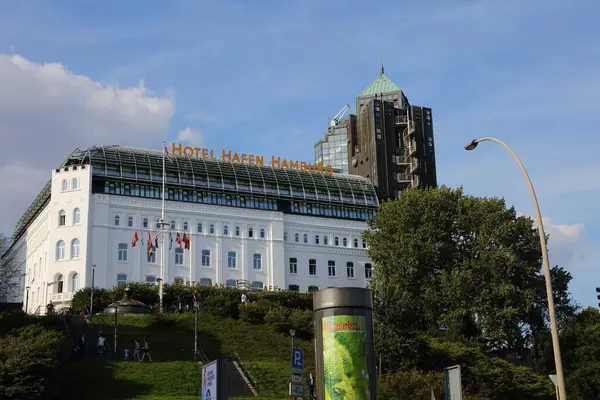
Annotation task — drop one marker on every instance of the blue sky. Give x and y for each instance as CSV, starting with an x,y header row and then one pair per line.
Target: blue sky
x,y
263,77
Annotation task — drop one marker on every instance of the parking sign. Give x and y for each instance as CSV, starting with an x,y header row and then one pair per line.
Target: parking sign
x,y
297,359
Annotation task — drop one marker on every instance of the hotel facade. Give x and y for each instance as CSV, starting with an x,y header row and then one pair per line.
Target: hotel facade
x,y
266,227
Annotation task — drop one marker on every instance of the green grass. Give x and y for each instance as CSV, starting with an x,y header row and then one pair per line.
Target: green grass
x,y
172,374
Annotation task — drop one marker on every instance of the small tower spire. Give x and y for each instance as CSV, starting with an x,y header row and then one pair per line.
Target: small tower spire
x,y
381,62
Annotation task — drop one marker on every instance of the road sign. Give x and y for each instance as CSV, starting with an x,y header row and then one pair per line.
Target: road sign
x,y
298,359
296,389
296,378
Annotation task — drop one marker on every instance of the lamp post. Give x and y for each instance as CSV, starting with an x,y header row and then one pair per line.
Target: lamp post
x,y
92,291
538,216
46,298
292,334
160,294
27,299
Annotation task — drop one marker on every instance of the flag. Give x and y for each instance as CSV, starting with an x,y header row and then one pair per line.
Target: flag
x,y
186,241
195,298
165,148
135,239
170,241
156,241
178,239
150,248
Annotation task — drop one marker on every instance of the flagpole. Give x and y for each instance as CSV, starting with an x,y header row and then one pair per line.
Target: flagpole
x,y
162,233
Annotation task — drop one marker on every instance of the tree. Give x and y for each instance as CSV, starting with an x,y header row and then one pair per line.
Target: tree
x,y
468,265
9,271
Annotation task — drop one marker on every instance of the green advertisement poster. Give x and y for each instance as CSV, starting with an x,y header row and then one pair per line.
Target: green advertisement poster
x,y
345,364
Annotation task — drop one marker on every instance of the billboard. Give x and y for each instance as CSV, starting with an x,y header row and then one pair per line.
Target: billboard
x,y
209,381
345,360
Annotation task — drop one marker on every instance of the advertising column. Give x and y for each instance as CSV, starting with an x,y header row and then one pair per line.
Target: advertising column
x,y
345,359
209,381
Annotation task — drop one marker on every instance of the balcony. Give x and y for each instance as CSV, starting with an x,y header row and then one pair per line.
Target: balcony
x,y
61,297
401,119
401,160
414,165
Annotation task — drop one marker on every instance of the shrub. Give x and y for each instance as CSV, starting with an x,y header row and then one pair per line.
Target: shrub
x,y
221,305
302,322
413,384
255,313
29,361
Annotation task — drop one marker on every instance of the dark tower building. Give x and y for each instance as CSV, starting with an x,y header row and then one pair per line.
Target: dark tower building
x,y
393,145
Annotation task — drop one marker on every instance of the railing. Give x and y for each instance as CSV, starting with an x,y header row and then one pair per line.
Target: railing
x,y
61,296
402,160
246,372
403,177
401,119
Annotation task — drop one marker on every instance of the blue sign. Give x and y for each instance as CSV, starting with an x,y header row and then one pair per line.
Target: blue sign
x,y
298,358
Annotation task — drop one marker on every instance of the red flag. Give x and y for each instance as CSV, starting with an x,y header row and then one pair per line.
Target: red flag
x,y
135,239
187,242
166,151
178,240
150,248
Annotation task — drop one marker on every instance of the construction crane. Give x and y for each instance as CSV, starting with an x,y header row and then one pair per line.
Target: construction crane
x,y
339,116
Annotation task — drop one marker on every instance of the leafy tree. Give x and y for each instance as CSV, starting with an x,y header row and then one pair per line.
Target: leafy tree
x,y
9,270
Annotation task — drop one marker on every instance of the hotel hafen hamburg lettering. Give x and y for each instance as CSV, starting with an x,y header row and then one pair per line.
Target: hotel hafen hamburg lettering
x,y
250,159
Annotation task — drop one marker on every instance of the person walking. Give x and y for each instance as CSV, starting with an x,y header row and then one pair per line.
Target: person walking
x,y
146,350
136,350
310,382
101,344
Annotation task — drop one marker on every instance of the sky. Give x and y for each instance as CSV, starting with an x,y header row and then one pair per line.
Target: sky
x,y
263,77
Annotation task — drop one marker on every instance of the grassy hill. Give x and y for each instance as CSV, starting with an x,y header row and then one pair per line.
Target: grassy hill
x,y
172,374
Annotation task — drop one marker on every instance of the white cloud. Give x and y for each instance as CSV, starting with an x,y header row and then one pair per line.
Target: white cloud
x,y
46,111
191,136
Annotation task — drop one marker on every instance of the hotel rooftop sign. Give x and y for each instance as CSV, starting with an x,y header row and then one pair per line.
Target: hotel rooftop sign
x,y
250,159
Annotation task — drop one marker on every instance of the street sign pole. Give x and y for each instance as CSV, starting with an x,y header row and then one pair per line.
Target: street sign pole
x,y
296,386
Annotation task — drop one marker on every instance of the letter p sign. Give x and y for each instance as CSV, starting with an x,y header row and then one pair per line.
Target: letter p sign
x,y
298,358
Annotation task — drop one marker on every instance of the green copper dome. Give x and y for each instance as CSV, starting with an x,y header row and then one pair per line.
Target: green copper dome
x,y
380,85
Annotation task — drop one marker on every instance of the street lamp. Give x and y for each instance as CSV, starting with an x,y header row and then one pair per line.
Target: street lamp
x,y
92,291
292,334
160,294
538,216
27,299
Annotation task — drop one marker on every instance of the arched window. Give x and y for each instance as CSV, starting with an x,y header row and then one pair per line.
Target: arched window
x,y
185,226
62,218
250,232
294,288
76,216
225,230
75,248
65,185
262,233
60,250
130,222
316,239
256,285
325,239
296,238
211,229
237,231
305,237
231,283
117,220
355,242
145,223
336,241
199,227
59,283
173,225
75,282
122,279
75,184
205,281
345,242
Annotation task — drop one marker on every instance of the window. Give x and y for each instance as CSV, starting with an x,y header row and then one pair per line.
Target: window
x,y
293,266
262,233
231,283
123,252
257,261
151,257
145,223
185,226
75,248
151,279
317,239
173,225
355,242
350,269
364,244
225,230
205,281
75,184
130,222
178,280
65,185
285,236
231,259
312,267
256,285
179,256
294,288
62,218
122,279
74,282
157,224
331,268
313,288
305,238
211,229
368,271
250,232
60,250
59,283
336,241
345,242
199,227
206,258
325,239
76,216
297,238
237,231
117,220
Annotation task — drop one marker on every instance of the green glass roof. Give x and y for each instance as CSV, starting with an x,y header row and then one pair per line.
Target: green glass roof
x,y
145,166
380,85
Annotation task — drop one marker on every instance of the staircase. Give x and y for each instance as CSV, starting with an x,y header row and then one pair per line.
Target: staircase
x,y
245,374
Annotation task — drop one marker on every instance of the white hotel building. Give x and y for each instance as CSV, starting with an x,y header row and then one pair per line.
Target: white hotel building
x,y
271,227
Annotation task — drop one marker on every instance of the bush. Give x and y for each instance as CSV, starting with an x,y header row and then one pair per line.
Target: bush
x,y
29,362
255,313
413,384
302,322
221,305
